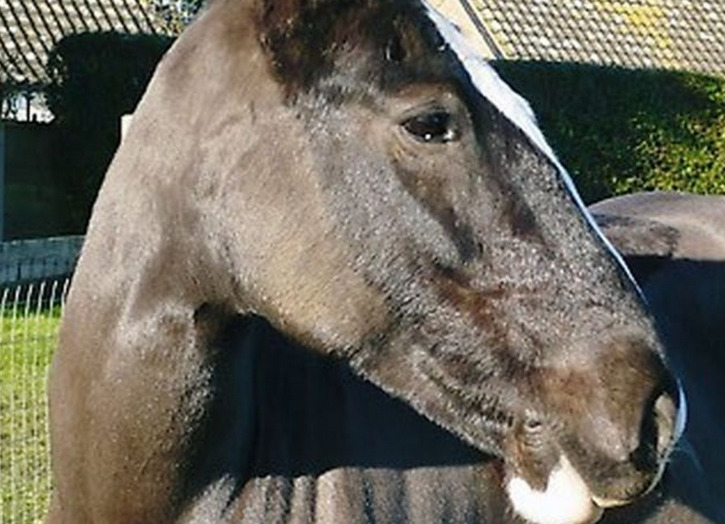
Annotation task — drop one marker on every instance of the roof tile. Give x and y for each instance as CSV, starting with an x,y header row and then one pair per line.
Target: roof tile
x,y
30,28
671,34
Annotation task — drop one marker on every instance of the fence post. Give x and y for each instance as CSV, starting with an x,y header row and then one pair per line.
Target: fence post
x,y
2,181
125,124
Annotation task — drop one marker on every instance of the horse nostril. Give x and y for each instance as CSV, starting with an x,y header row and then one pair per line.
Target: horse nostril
x,y
659,431
667,421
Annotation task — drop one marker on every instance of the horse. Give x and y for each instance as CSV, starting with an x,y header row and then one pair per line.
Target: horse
x,y
674,244
335,273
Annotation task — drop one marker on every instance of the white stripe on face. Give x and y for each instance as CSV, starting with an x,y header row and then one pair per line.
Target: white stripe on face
x,y
514,107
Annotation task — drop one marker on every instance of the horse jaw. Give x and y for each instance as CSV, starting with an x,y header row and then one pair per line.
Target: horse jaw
x,y
566,499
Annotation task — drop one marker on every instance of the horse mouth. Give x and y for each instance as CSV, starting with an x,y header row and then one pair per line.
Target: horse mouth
x,y
566,500
606,503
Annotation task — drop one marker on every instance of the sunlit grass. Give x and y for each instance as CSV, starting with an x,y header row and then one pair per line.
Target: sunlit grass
x,y
28,331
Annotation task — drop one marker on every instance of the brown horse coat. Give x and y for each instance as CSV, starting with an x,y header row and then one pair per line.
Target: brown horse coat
x,y
335,274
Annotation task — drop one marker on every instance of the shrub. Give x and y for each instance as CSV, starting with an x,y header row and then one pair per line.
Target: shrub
x,y
176,14
96,78
620,130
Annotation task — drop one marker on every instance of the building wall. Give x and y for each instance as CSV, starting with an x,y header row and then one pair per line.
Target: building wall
x,y
32,203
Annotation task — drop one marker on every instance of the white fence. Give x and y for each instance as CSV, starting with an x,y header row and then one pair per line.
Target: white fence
x,y
29,320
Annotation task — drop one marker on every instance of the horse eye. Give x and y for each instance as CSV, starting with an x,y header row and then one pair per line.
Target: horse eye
x,y
435,127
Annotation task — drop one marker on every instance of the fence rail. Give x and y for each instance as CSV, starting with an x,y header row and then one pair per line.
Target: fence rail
x,y
29,321
37,259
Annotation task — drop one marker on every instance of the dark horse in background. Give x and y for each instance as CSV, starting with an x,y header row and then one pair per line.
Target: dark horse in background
x,y
674,244
335,274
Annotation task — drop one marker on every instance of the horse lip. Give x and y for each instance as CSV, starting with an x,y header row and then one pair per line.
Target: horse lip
x,y
606,503
566,499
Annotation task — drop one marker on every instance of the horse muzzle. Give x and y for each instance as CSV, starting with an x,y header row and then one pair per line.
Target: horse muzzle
x,y
579,494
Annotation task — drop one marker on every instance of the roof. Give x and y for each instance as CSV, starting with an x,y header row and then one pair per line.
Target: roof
x,y
668,34
30,28
664,34
461,14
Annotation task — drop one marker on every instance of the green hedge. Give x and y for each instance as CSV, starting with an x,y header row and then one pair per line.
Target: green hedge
x,y
177,15
616,130
96,78
620,130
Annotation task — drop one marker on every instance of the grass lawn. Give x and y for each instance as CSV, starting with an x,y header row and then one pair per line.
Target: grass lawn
x,y
27,339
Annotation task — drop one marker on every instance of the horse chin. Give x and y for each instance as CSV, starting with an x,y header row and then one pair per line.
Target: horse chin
x,y
566,499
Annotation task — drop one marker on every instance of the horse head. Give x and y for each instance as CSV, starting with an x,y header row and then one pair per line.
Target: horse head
x,y
350,172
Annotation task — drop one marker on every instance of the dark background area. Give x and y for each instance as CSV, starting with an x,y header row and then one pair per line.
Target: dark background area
x,y
617,130
96,79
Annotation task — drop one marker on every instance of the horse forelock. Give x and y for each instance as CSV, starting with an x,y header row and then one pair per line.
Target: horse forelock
x,y
303,39
311,44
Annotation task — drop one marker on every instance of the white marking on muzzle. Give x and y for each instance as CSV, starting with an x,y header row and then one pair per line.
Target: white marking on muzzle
x,y
566,499
516,109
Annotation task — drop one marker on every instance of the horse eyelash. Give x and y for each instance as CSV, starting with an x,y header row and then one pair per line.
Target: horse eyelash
x,y
432,127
